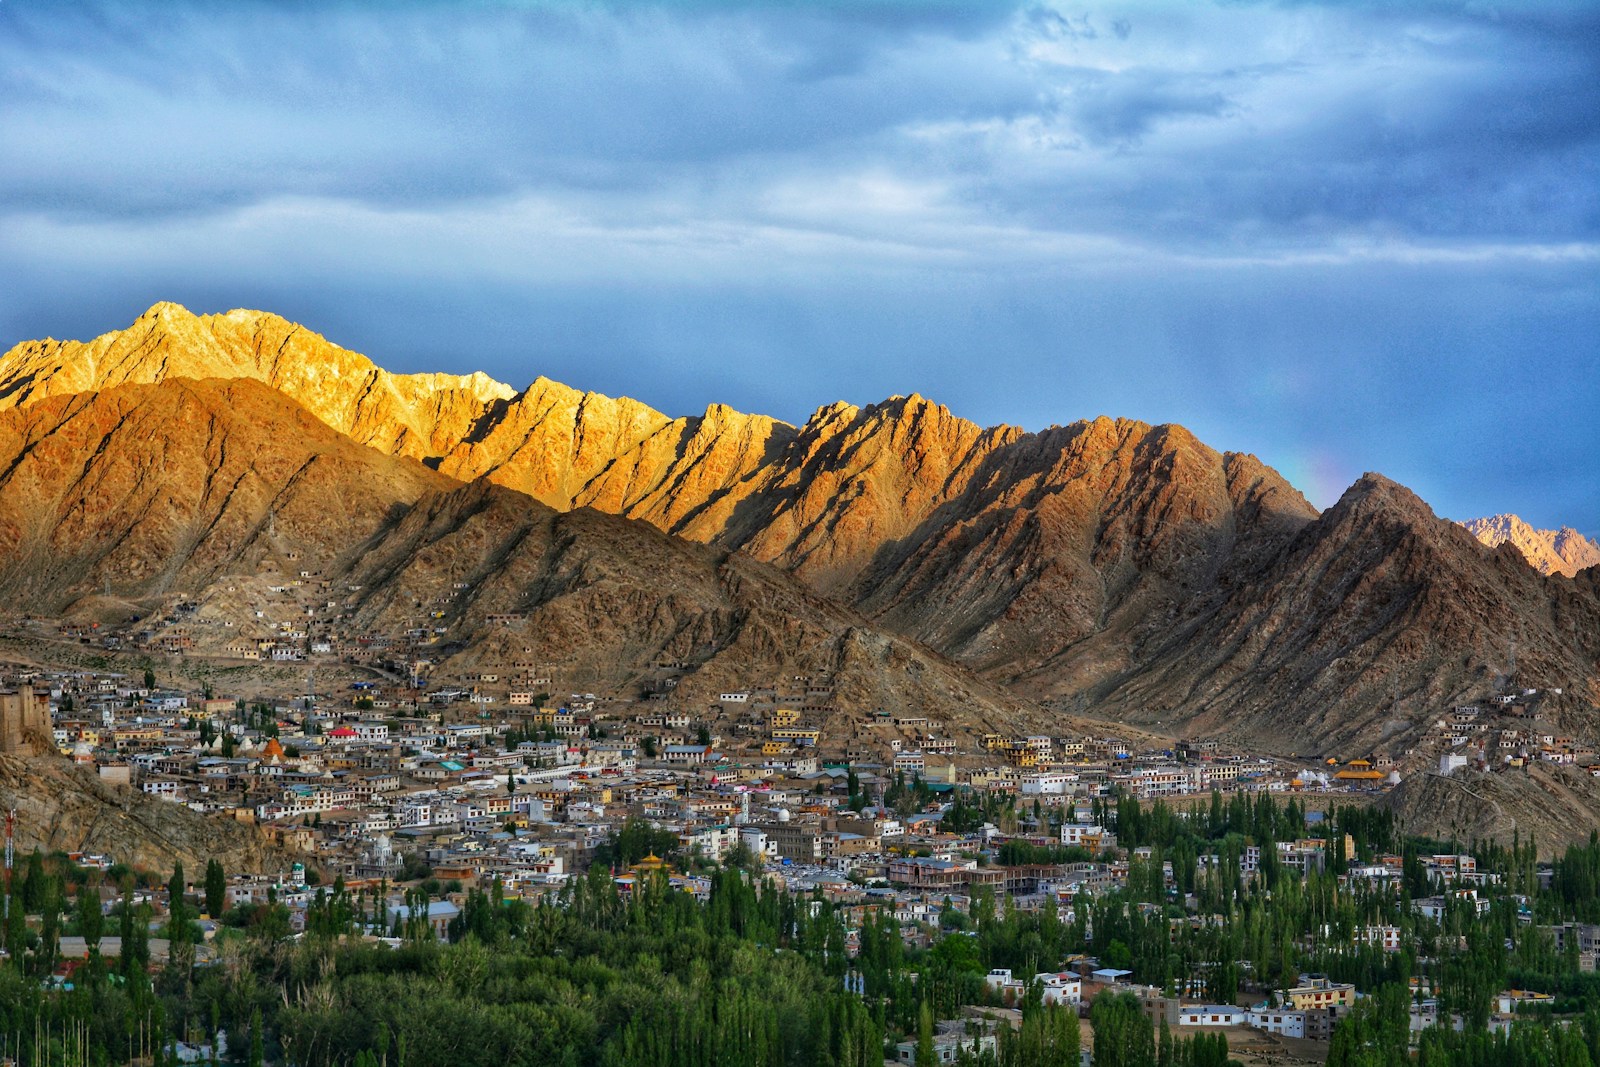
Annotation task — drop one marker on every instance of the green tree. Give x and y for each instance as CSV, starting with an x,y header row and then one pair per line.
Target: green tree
x,y
91,920
1123,1036
926,1055
178,919
257,1046
216,889
33,882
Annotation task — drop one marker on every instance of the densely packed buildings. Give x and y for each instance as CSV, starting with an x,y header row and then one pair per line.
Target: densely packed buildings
x,y
490,779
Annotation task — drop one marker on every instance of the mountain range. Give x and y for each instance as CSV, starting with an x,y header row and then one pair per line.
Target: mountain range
x,y
1563,551
1107,568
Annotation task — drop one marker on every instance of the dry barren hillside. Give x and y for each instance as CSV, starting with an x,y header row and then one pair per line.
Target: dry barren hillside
x,y
1370,621
1553,805
141,489
605,600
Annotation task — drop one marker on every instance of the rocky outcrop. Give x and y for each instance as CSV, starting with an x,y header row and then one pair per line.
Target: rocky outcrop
x,y
1564,551
566,448
1548,804
60,806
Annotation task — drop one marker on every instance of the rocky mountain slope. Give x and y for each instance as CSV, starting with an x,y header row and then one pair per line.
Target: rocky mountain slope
x,y
142,489
199,486
1555,805
900,508
604,600
1564,551
1106,566
821,500
416,415
1068,551
1371,620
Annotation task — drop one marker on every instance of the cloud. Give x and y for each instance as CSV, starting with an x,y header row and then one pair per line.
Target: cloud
x,y
1207,128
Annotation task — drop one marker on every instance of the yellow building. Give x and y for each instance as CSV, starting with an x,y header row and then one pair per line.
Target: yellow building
x,y
1022,754
1321,993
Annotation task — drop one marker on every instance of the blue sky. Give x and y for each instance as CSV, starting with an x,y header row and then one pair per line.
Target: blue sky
x,y
1345,237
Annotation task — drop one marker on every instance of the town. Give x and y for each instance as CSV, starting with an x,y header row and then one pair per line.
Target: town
x,y
417,793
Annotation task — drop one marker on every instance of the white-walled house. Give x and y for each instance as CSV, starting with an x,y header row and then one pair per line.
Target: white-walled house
x,y
1211,1015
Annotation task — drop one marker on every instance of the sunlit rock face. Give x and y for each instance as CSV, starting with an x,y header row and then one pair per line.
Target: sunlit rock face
x,y
1564,551
414,415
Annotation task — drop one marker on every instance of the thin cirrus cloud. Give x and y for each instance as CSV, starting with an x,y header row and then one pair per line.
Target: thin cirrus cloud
x,y
1333,234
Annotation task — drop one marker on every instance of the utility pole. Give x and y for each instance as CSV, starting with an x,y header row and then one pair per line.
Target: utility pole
x,y
11,853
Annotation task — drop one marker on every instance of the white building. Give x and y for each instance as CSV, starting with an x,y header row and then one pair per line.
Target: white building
x,y
1211,1015
1061,988
1086,835
1284,1021
372,732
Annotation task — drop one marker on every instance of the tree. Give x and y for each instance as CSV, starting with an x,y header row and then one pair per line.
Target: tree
x,y
1123,1036
91,920
178,921
50,930
216,889
34,882
149,678
16,932
926,1055
257,1053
